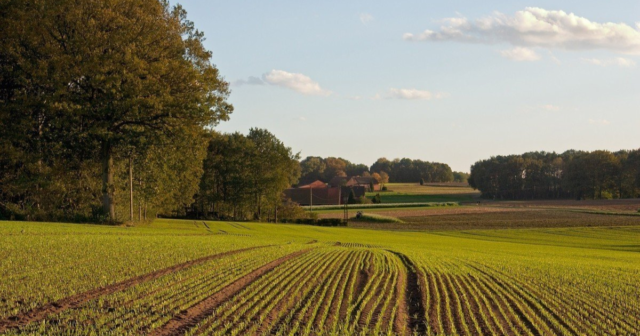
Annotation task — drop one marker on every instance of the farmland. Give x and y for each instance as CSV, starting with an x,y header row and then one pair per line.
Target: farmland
x,y
432,192
176,277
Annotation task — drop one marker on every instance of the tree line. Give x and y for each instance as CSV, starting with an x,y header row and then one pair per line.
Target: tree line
x,y
399,170
573,174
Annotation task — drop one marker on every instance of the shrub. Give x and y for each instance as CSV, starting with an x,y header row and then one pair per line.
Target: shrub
x,y
319,222
384,188
375,218
376,199
421,181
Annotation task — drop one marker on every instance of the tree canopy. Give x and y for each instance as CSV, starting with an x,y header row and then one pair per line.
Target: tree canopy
x,y
86,84
572,174
244,176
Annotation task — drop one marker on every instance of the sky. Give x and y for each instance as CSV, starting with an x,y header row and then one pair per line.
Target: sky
x,y
446,81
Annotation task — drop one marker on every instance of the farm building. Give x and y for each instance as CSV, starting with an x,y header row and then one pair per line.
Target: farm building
x,y
356,181
314,185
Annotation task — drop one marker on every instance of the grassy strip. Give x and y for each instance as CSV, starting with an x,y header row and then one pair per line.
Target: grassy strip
x,y
609,213
382,206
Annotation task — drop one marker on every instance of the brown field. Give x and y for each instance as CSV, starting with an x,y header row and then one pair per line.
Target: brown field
x,y
502,219
622,205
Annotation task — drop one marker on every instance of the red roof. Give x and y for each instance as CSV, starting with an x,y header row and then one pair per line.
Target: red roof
x,y
314,185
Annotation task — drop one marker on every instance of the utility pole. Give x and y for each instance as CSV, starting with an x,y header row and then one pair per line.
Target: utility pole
x,y
131,187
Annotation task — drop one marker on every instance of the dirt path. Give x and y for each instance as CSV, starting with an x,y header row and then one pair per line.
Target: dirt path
x,y
411,312
74,301
189,318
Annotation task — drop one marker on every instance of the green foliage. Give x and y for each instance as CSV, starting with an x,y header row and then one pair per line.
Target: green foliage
x,y
408,170
88,85
244,176
421,181
460,177
384,188
572,174
376,199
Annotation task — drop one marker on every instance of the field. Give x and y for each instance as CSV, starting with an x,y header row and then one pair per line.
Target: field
x,y
435,192
177,277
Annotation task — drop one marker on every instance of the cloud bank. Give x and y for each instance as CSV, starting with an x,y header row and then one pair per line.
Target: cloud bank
x,y
538,27
294,81
414,94
618,61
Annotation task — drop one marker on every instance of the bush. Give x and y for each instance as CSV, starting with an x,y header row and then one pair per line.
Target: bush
x,y
375,218
376,199
384,188
319,222
421,181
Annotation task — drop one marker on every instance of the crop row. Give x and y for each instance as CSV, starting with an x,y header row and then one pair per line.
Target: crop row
x,y
148,305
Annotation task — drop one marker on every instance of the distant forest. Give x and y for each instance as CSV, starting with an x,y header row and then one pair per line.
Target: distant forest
x,y
315,168
573,174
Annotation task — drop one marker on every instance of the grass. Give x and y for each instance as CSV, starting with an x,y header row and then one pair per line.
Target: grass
x,y
315,280
382,206
415,193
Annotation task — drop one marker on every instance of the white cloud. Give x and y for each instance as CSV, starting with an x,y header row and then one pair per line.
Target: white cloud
x,y
619,61
550,107
366,18
538,27
520,54
295,81
413,94
602,122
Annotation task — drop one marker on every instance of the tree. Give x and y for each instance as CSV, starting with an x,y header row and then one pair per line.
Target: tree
x,y
312,168
246,175
384,177
421,181
132,72
371,186
352,197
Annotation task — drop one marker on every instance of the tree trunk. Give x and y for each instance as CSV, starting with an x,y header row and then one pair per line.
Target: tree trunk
x,y
107,181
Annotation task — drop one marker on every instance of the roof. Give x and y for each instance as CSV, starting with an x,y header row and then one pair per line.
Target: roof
x,y
314,185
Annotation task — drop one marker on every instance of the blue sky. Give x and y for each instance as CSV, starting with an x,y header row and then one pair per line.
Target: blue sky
x,y
453,82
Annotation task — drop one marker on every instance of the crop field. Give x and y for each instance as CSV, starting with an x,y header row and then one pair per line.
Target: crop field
x,y
415,193
176,277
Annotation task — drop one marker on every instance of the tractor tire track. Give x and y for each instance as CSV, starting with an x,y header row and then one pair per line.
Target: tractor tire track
x,y
190,317
412,310
75,301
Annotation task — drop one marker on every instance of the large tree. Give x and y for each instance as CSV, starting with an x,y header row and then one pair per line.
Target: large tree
x,y
87,78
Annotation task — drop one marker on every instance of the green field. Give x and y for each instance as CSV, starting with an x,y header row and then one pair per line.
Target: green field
x,y
184,277
415,193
